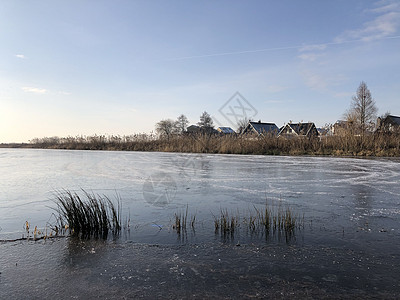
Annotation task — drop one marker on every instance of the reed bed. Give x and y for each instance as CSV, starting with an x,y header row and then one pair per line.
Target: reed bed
x,y
267,220
226,223
345,144
180,221
88,215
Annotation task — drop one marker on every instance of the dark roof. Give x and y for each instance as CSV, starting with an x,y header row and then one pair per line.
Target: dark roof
x,y
226,130
193,128
301,128
394,119
262,128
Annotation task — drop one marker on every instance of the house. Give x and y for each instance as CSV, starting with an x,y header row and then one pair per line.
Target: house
x,y
193,129
341,127
299,130
388,124
260,128
327,130
225,130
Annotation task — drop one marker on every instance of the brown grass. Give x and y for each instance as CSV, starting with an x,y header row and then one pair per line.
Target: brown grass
x,y
181,221
87,215
264,221
347,144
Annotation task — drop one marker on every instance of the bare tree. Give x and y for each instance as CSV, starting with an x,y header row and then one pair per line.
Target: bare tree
x,y
242,124
382,125
181,123
206,123
166,128
385,115
363,110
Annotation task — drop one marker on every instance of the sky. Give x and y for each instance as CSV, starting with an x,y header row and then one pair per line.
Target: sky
x,y
71,68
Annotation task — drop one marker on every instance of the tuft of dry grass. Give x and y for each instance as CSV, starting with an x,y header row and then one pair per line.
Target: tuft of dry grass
x,y
181,219
87,215
226,223
266,220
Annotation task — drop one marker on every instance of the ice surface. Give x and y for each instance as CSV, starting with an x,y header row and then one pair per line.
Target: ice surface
x,y
153,186
349,245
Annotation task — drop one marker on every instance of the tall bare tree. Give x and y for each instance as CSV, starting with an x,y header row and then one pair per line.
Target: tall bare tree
x,y
363,110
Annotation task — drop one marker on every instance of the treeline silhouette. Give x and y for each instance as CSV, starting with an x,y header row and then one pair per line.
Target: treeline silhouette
x,y
377,144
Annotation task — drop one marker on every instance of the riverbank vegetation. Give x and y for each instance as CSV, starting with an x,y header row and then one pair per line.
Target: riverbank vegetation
x,y
275,220
181,218
347,144
87,215
270,220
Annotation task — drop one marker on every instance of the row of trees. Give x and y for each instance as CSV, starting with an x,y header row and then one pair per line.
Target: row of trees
x,y
169,127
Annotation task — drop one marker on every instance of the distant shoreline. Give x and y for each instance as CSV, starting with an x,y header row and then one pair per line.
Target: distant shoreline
x,y
373,145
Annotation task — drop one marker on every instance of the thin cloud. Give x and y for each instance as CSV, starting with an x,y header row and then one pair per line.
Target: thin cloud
x,y
344,94
382,26
276,88
386,8
21,56
313,80
274,101
309,56
342,39
233,53
34,90
321,81
313,47
63,93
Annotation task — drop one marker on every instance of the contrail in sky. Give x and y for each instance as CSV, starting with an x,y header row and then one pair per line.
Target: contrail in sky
x,y
321,46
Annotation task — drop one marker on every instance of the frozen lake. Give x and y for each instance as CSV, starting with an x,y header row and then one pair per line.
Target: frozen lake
x,y
334,193
350,207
